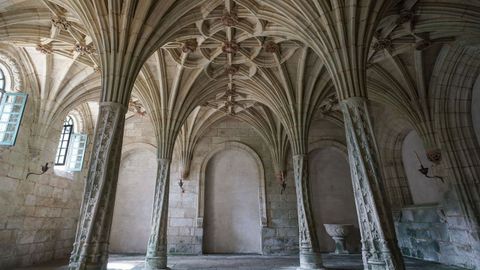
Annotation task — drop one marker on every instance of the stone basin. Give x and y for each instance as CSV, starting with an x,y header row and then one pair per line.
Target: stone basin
x,y
339,232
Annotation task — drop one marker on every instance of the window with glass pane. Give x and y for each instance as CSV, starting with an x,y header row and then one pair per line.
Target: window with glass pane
x,y
78,144
12,106
62,150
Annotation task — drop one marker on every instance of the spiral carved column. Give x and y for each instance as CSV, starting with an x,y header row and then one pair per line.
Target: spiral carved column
x,y
379,244
90,250
309,250
157,243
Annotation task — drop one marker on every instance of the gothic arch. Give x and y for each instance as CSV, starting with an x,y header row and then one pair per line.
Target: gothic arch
x,y
329,142
390,141
453,82
12,73
130,148
261,189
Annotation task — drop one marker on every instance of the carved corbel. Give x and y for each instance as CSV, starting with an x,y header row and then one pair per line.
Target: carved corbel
x,y
282,179
184,166
425,170
136,107
434,155
330,105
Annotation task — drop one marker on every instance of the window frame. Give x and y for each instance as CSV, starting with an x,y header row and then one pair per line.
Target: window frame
x,y
3,102
77,152
66,130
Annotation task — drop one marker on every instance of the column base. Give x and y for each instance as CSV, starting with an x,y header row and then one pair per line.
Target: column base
x,y
85,266
377,265
339,253
156,263
311,261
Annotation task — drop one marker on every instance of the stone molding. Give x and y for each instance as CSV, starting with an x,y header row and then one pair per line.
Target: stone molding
x,y
13,74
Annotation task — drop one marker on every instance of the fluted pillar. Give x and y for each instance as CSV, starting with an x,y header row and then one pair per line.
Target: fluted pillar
x,y
157,243
379,244
90,250
309,250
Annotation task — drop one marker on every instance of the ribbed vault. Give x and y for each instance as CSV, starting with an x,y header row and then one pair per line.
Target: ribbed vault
x,y
273,64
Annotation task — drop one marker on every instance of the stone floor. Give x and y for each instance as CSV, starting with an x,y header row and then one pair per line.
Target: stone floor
x,y
245,262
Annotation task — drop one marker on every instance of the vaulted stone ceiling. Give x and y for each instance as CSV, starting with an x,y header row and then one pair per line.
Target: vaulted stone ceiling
x,y
273,64
231,40
236,57
233,56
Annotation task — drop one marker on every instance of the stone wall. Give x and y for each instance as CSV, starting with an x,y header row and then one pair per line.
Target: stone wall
x,y
437,233
185,232
38,215
232,218
428,232
332,195
422,233
134,201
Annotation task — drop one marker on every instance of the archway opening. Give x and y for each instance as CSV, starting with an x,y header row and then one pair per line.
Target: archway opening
x,y
232,215
332,196
133,202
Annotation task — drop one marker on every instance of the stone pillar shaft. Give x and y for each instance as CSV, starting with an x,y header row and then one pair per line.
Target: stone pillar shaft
x,y
309,250
157,243
379,244
90,250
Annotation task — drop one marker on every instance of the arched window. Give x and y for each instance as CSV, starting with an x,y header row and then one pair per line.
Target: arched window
x,y
64,141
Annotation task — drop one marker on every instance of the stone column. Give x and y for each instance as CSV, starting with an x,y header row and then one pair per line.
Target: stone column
x,y
309,250
157,243
90,250
379,244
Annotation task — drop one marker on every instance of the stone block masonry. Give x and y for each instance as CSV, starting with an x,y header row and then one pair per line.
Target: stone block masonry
x,y
38,215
